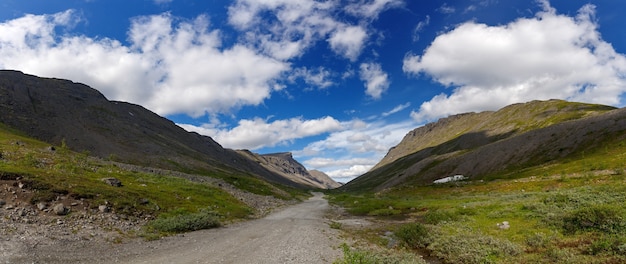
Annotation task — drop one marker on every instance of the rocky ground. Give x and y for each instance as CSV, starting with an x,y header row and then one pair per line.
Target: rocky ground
x,y
71,225
297,233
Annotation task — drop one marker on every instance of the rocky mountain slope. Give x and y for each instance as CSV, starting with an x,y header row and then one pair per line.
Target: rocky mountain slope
x,y
284,164
480,145
80,118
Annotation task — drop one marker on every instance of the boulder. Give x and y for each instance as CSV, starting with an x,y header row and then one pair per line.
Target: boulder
x,y
112,181
42,206
504,225
60,209
104,209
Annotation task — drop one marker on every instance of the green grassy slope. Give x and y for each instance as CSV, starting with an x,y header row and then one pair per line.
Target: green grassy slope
x,y
563,198
64,173
492,143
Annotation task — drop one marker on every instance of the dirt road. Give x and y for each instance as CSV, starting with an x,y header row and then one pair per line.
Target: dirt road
x,y
296,234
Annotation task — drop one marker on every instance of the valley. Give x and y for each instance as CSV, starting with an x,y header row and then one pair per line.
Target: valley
x,y
85,179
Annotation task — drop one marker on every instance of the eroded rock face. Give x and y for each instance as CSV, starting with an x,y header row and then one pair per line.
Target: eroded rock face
x,y
285,165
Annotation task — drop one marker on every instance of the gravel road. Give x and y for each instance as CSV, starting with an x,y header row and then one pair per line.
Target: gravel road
x,y
296,234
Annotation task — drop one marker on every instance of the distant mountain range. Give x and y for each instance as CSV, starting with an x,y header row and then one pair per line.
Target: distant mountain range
x,y
80,118
493,144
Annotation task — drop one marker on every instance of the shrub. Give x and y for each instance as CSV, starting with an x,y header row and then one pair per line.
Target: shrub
x,y
203,219
335,225
612,245
384,212
439,216
358,256
603,218
470,248
538,241
414,235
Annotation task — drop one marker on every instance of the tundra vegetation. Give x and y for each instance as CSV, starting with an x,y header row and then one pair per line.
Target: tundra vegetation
x,y
172,204
569,210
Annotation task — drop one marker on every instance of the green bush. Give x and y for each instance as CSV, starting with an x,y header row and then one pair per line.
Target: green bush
x,y
358,256
434,217
414,235
472,248
384,212
204,219
603,218
612,245
538,241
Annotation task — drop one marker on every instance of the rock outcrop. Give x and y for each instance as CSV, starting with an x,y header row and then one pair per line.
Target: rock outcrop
x,y
285,165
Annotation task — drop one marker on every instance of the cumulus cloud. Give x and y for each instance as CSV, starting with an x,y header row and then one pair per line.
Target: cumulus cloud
x,y
354,149
320,163
544,57
258,133
319,78
348,41
168,62
376,80
349,173
292,26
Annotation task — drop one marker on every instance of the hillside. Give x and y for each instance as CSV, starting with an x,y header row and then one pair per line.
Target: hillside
x,y
80,118
492,144
284,164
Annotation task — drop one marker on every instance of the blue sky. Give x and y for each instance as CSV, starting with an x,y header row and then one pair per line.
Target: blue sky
x,y
337,83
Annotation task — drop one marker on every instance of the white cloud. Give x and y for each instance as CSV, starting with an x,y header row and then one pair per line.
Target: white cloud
x,y
320,77
349,173
348,41
320,163
162,2
397,109
446,9
545,57
258,133
354,149
376,80
169,61
293,26
371,8
284,29
420,27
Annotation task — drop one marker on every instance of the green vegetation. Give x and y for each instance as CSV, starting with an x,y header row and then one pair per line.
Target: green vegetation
x,y
565,211
175,204
183,222
362,256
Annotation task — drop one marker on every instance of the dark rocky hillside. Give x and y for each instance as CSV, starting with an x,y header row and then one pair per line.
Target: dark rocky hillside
x,y
480,145
285,165
80,118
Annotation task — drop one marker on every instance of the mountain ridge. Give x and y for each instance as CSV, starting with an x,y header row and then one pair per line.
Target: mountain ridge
x,y
284,164
478,145
79,117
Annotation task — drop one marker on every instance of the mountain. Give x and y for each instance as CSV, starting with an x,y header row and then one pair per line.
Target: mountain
x,y
78,117
284,164
490,144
